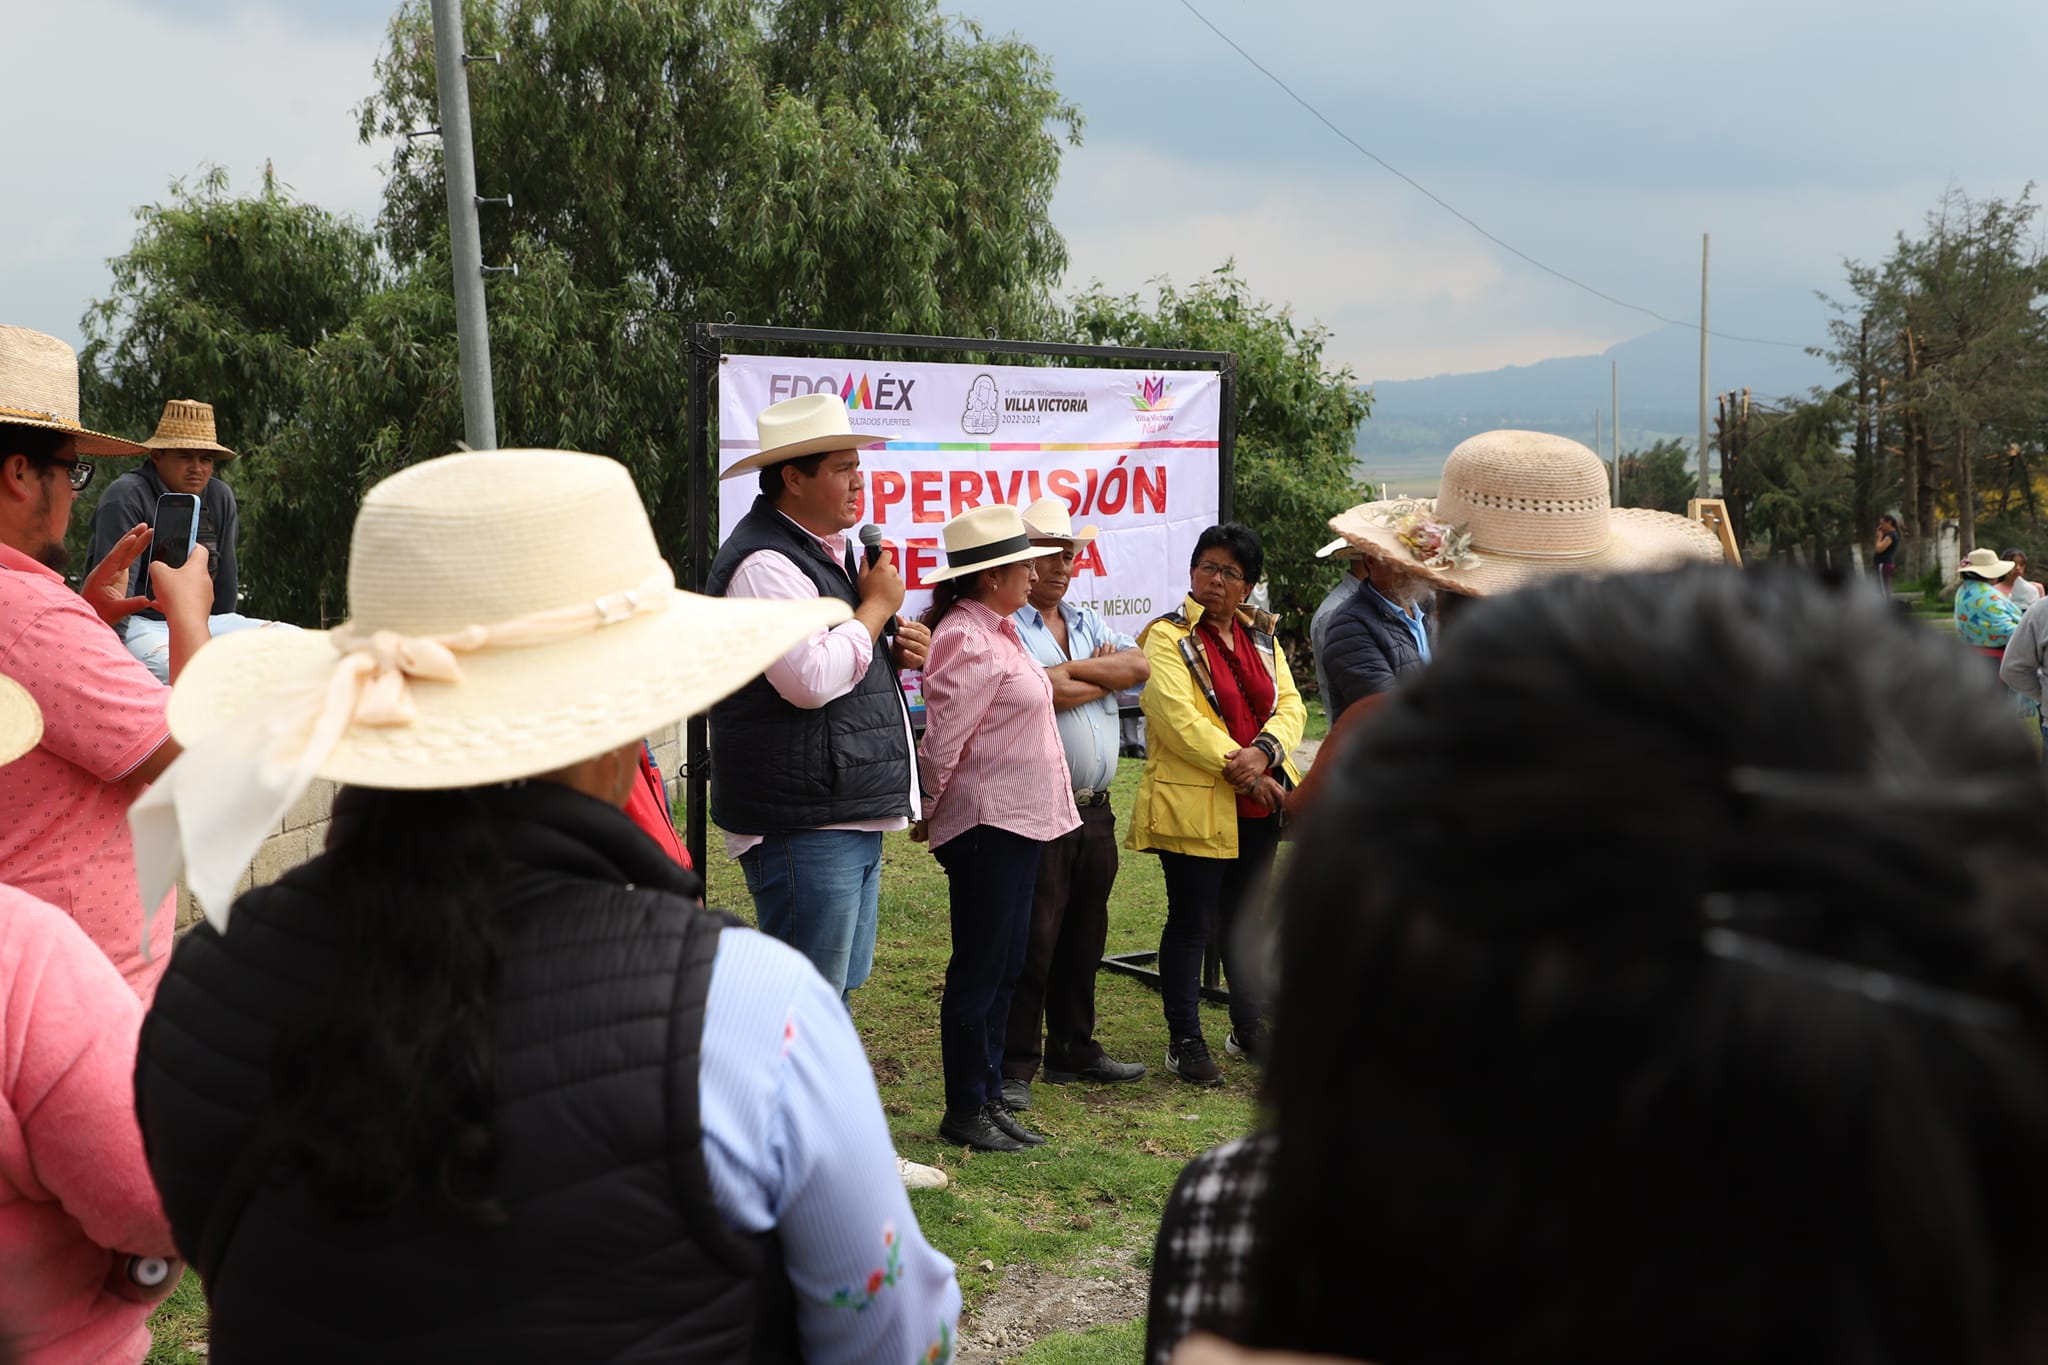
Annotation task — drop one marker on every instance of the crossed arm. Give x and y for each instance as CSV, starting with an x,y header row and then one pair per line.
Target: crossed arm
x,y
1109,670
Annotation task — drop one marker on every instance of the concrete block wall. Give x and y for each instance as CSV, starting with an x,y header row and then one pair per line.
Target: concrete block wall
x,y
303,831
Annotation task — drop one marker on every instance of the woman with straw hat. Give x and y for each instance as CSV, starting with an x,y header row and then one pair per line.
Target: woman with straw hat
x,y
997,791
486,1049
83,1241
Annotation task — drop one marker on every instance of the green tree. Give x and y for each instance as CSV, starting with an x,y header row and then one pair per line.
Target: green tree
x,y
1659,477
1798,485
863,164
1296,419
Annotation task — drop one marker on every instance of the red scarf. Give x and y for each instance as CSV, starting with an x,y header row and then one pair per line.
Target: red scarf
x,y
1244,690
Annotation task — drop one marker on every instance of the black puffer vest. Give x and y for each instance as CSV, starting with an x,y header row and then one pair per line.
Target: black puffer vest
x,y
778,768
613,1250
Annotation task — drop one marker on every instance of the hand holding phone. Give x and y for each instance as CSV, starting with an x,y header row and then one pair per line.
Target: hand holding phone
x,y
177,529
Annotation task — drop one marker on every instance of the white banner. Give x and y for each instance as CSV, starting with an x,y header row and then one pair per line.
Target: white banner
x,y
1133,452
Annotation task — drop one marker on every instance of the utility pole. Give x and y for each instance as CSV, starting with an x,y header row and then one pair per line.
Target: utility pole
x,y
1704,490
458,161
1614,405
1598,440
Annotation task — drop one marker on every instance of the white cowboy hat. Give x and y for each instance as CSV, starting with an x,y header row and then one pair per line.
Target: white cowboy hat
x,y
1517,506
1047,519
985,538
39,388
187,424
21,720
1986,564
509,615
808,424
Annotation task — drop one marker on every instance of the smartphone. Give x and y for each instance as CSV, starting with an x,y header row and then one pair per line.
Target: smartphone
x,y
177,529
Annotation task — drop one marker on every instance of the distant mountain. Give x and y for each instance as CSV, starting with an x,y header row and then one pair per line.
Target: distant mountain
x,y
1415,422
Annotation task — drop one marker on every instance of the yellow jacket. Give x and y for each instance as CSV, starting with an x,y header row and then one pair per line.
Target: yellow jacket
x,y
1184,805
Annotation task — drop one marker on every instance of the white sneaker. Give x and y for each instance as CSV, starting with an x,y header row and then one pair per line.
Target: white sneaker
x,y
920,1177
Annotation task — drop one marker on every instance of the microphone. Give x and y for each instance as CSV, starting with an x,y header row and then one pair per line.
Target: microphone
x,y
871,537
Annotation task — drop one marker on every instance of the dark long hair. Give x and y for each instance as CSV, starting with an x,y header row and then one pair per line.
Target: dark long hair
x,y
1662,979
383,1089
949,593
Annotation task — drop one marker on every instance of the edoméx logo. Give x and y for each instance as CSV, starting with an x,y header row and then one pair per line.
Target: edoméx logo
x,y
861,393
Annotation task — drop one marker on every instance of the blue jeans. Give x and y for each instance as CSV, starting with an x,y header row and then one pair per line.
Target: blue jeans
x,y
991,874
817,890
149,639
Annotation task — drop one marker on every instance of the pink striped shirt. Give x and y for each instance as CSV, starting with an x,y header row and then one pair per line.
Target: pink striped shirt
x,y
991,752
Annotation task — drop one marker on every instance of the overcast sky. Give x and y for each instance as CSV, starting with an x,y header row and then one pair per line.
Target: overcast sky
x,y
1600,136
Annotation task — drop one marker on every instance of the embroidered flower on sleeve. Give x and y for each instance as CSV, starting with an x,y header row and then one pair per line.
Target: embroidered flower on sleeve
x,y
939,1352
880,1278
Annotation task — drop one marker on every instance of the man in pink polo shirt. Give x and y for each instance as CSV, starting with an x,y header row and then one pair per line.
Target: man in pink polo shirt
x,y
63,806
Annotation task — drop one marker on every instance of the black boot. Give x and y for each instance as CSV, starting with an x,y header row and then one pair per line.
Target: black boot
x,y
1002,1117
978,1131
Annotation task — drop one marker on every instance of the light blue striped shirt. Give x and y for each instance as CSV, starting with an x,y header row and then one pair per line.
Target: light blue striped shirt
x,y
794,1140
1088,731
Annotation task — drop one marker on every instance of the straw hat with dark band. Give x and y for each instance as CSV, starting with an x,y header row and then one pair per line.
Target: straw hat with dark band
x,y
1048,519
986,538
187,424
1514,507
39,388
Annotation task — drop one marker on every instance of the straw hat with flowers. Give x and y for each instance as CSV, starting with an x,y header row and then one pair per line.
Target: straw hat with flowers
x,y
1517,506
39,388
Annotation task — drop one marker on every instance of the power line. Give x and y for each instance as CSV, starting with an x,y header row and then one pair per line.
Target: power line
x,y
1452,209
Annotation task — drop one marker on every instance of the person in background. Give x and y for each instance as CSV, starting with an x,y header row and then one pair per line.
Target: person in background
x,y
1319,621
1380,635
997,793
1540,1096
486,1053
2023,590
1885,553
1088,664
1223,714
63,835
183,456
1985,615
812,762
85,1251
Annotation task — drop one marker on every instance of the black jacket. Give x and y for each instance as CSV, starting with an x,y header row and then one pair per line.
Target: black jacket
x,y
131,499
1367,648
614,1250
778,768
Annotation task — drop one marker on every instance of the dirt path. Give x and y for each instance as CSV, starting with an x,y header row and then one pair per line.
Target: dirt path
x,y
1034,1302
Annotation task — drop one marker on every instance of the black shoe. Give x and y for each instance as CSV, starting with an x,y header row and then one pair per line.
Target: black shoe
x,y
1249,1044
1016,1093
999,1114
1101,1071
1188,1058
977,1131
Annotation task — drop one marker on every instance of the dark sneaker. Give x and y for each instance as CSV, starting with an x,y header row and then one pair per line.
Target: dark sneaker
x,y
1251,1046
1101,1071
999,1114
1188,1058
1016,1093
977,1131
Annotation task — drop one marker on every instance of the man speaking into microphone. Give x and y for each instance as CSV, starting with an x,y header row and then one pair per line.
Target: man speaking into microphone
x,y
812,763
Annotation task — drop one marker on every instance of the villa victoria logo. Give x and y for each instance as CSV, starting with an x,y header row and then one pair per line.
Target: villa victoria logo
x,y
1152,403
979,417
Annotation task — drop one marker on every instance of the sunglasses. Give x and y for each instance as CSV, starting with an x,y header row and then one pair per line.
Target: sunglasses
x,y
78,471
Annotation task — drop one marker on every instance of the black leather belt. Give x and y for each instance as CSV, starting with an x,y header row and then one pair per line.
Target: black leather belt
x,y
1084,799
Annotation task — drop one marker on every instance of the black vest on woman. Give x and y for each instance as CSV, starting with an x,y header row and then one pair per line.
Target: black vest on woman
x,y
778,768
613,1249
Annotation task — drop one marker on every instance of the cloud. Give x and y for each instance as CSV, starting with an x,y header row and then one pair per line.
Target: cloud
x,y
167,91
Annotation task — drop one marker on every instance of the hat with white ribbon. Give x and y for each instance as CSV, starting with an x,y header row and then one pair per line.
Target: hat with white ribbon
x,y
509,615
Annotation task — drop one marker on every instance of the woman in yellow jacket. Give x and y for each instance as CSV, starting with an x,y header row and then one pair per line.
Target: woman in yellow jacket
x,y
1221,716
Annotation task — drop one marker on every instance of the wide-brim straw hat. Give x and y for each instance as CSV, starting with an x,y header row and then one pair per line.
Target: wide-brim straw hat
x,y
808,424
986,538
1514,507
475,540
21,720
1986,564
39,388
1048,519
187,424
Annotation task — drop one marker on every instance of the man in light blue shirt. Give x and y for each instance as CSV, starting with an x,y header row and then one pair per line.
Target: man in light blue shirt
x,y
1319,623
1089,664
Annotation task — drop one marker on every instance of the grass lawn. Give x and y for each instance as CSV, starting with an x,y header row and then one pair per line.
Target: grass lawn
x,y
1089,1199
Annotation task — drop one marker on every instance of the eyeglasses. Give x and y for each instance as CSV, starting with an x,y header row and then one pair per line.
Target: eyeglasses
x,y
1209,568
78,471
